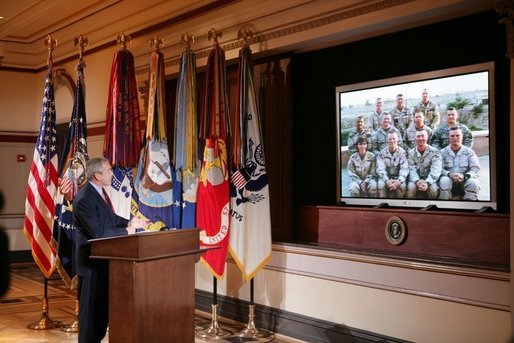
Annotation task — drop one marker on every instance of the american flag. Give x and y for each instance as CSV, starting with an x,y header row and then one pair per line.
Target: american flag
x,y
42,187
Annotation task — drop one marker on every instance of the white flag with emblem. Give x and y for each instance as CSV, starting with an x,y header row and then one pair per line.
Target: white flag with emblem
x,y
250,236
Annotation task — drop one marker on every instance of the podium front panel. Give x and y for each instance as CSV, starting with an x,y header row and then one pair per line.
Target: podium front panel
x,y
151,285
152,301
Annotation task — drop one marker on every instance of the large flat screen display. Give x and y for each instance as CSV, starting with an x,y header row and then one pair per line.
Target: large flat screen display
x,y
419,140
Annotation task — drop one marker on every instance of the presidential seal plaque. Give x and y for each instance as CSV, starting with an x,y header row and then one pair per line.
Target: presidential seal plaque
x,y
395,230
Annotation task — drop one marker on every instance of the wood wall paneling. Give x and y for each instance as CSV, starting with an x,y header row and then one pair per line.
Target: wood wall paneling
x,y
477,239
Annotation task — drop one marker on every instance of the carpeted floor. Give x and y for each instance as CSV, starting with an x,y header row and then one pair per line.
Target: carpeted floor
x,y
22,306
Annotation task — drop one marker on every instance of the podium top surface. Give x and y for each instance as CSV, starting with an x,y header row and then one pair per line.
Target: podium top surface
x,y
147,245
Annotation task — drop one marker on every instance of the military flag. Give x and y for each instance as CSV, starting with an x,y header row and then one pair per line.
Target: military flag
x,y
185,152
42,186
250,225
122,144
213,199
72,171
153,185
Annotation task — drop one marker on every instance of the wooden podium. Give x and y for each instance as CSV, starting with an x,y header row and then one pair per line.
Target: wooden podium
x,y
151,285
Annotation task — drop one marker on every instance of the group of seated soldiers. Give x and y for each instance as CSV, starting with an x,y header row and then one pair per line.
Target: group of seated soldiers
x,y
397,161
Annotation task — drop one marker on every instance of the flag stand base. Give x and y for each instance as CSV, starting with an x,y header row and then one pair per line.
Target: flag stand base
x,y
214,331
73,326
251,330
44,323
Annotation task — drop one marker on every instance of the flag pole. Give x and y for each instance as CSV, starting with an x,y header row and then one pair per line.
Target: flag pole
x,y
214,331
45,322
81,42
251,330
247,141
214,188
74,325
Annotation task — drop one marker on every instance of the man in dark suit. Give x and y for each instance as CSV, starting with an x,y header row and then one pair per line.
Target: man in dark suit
x,y
94,217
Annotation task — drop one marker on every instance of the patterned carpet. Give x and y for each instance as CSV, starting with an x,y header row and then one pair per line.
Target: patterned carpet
x,y
22,305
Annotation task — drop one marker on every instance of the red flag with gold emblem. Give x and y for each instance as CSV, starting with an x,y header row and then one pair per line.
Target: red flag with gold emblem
x,y
213,198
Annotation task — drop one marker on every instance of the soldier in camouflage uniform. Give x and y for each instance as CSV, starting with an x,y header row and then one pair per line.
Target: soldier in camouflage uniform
x,y
430,110
356,133
461,169
374,119
425,166
362,171
401,115
392,169
379,138
409,139
440,139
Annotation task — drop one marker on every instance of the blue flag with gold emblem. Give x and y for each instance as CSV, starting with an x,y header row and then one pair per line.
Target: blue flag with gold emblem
x,y
185,156
72,175
153,185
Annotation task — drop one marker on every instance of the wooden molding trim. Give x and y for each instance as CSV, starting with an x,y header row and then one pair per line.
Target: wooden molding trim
x,y
345,13
18,137
392,262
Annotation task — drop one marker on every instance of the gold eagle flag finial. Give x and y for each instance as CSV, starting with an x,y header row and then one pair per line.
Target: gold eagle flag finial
x,y
123,40
156,43
187,39
81,42
50,44
245,35
214,35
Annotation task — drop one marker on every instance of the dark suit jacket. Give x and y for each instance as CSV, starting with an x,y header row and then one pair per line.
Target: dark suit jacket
x,y
93,218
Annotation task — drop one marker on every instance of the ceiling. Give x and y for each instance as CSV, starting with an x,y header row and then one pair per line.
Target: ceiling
x,y
277,26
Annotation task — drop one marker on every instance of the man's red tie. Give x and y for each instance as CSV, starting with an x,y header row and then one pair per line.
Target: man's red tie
x,y
107,199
